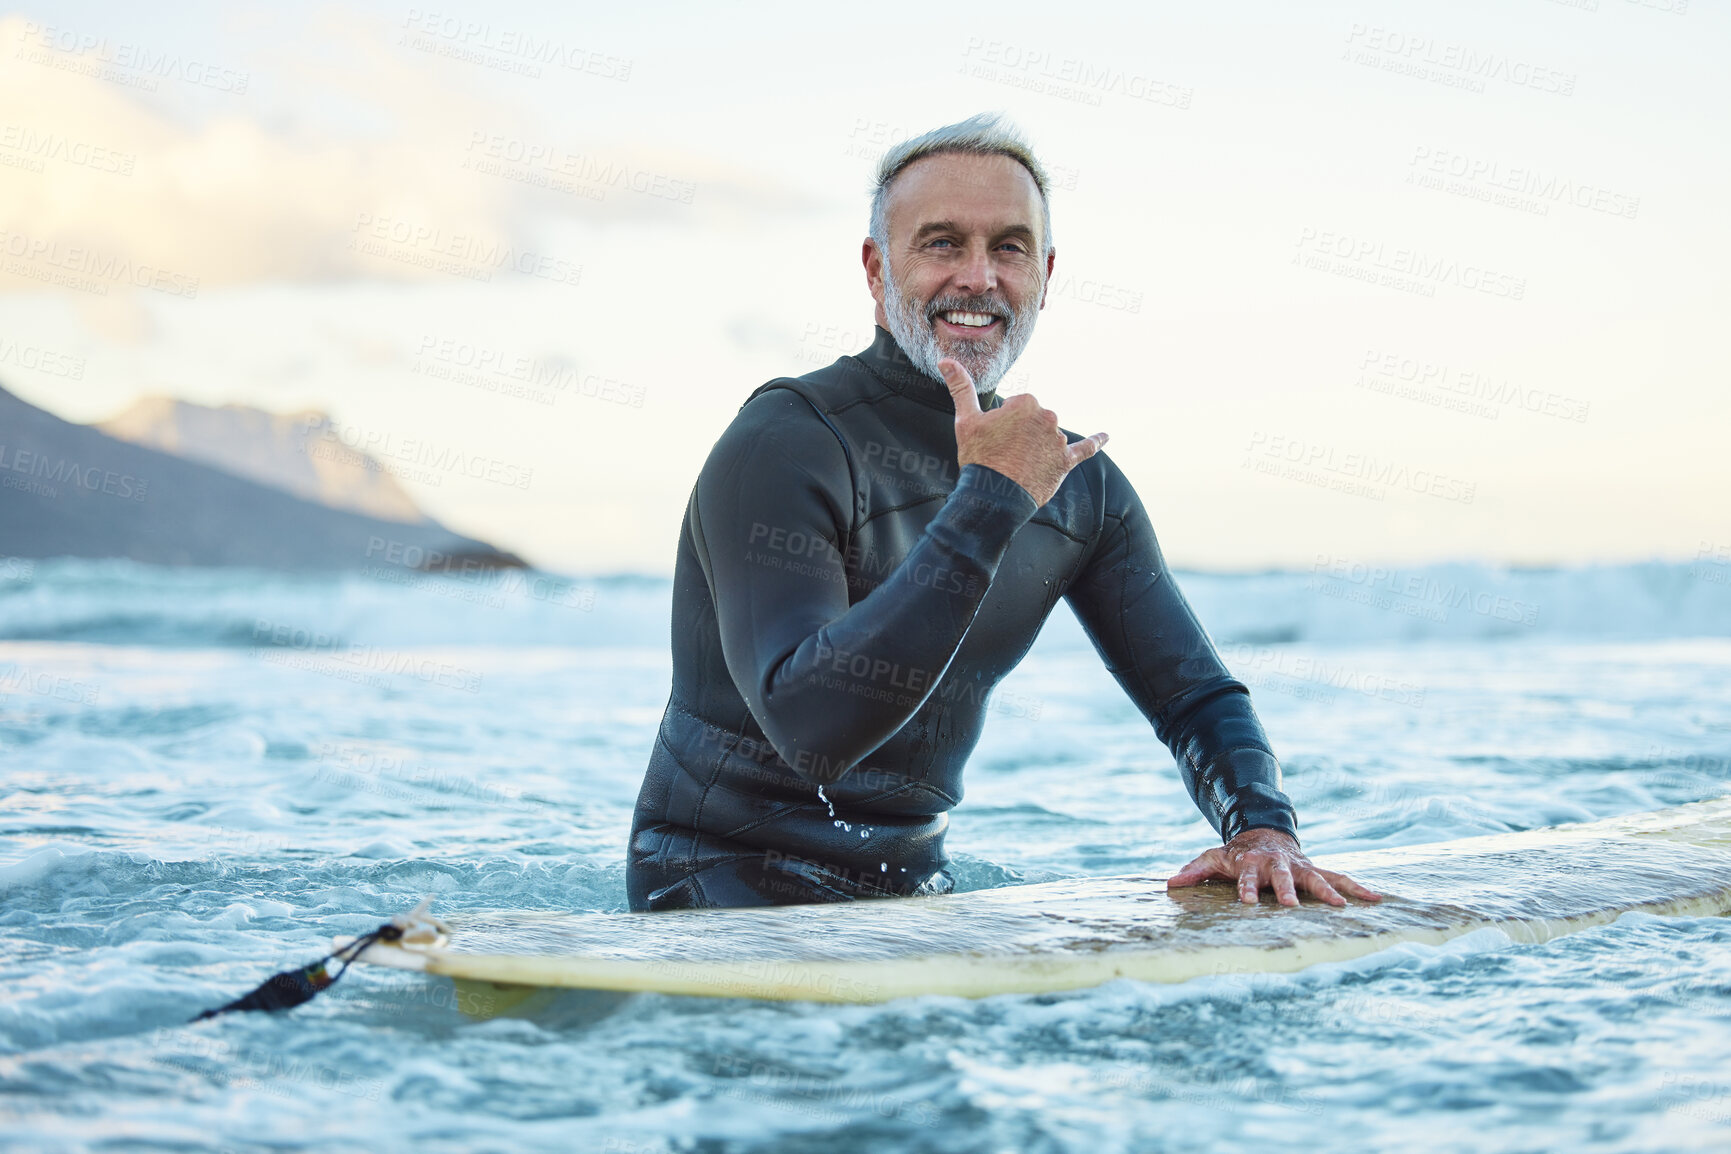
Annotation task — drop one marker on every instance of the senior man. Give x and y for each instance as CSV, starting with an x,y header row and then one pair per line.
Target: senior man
x,y
871,547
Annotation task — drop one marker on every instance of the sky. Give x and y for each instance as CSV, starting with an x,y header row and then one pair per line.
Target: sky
x,y
1376,281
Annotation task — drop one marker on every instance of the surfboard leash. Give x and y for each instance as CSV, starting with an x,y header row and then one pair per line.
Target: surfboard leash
x,y
290,988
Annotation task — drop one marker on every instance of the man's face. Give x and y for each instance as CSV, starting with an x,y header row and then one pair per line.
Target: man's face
x,y
964,275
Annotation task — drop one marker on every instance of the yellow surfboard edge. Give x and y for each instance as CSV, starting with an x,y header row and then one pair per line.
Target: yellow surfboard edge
x,y
971,977
1706,825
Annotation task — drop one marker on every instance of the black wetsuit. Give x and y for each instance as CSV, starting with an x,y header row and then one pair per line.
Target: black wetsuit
x,y
845,599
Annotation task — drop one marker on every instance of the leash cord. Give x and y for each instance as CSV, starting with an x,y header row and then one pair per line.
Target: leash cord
x,y
290,988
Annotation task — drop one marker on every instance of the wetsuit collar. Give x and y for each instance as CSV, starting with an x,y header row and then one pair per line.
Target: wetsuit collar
x,y
892,367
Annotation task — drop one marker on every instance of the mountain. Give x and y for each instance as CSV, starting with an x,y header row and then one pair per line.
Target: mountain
x,y
300,453
70,490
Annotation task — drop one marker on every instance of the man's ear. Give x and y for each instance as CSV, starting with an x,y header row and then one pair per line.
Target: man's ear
x,y
874,268
873,259
1051,260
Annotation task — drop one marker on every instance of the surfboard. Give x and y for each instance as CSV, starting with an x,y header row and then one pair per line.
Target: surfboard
x,y
1072,934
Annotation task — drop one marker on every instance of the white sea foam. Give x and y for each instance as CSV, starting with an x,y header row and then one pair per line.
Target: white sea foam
x,y
186,816
1337,601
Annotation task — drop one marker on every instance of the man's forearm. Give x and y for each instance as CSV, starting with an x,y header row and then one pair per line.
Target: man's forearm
x,y
1152,643
846,689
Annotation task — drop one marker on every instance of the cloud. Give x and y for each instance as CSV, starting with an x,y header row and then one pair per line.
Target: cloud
x,y
106,189
107,181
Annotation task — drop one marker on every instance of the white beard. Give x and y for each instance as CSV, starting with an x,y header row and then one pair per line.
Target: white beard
x,y
911,323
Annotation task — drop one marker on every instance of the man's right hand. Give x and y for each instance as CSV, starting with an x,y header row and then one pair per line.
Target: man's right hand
x,y
1019,439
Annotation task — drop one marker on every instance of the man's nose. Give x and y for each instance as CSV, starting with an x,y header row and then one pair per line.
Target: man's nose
x,y
976,274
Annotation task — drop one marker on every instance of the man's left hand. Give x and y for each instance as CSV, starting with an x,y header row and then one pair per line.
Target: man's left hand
x,y
1268,857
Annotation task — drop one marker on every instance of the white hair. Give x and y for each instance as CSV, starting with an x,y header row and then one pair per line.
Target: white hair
x,y
984,134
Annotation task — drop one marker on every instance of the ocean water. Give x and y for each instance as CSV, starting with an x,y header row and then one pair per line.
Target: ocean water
x,y
208,774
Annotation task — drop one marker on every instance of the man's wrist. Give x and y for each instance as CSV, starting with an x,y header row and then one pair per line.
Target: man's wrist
x,y
1285,831
1259,807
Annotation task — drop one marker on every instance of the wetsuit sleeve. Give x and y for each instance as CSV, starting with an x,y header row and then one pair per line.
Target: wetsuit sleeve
x,y
829,681
1145,631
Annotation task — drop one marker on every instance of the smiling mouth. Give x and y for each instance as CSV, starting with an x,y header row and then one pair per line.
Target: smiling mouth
x,y
967,320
